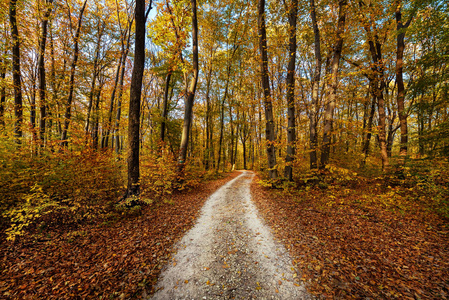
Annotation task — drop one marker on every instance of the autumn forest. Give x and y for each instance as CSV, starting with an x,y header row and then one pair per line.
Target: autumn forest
x,y
117,114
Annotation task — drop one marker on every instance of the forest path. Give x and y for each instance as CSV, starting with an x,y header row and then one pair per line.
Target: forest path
x,y
230,254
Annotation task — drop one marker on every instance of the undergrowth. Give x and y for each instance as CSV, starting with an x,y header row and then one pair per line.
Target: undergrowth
x,y
45,190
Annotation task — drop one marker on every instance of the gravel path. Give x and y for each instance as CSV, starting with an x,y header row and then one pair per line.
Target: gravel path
x,y
230,254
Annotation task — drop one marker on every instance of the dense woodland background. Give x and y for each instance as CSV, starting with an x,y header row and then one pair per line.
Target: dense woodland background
x,y
358,88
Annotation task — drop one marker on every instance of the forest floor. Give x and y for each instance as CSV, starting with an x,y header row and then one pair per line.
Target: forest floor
x,y
230,254
361,239
105,260
349,239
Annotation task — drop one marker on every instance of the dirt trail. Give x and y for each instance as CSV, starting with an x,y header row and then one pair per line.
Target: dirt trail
x,y
230,254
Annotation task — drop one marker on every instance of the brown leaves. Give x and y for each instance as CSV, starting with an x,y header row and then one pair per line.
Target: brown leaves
x,y
351,250
122,259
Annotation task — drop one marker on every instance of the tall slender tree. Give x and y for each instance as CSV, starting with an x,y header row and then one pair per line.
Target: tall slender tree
x,y
315,88
190,93
68,108
269,120
291,130
17,77
332,84
401,27
41,69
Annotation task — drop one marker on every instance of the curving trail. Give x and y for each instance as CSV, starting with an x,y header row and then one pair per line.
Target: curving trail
x,y
230,254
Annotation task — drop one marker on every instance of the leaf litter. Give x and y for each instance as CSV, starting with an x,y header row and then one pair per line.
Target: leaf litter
x,y
119,260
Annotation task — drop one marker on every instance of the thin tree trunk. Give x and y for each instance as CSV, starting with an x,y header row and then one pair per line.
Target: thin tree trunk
x,y
379,85
41,70
332,85
2,93
291,128
17,77
165,106
382,124
68,113
190,94
33,109
315,87
209,142
53,83
118,145
95,74
96,117
367,137
400,82
220,140
269,131
105,143
225,96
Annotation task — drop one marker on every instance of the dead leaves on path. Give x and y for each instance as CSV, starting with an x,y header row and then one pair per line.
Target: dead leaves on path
x,y
121,260
351,251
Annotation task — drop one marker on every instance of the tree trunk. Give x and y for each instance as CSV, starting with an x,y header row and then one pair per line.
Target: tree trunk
x,y
291,128
190,94
41,71
2,93
165,106
125,50
68,113
33,108
96,116
367,137
332,85
95,73
315,87
220,140
400,82
105,143
17,77
207,155
269,127
134,102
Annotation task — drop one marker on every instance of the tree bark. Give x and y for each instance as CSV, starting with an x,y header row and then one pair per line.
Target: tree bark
x,y
165,106
190,94
94,91
291,128
17,77
208,152
315,87
96,115
125,51
367,137
332,85
269,126
68,113
41,70
379,87
2,93
134,102
105,141
400,82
